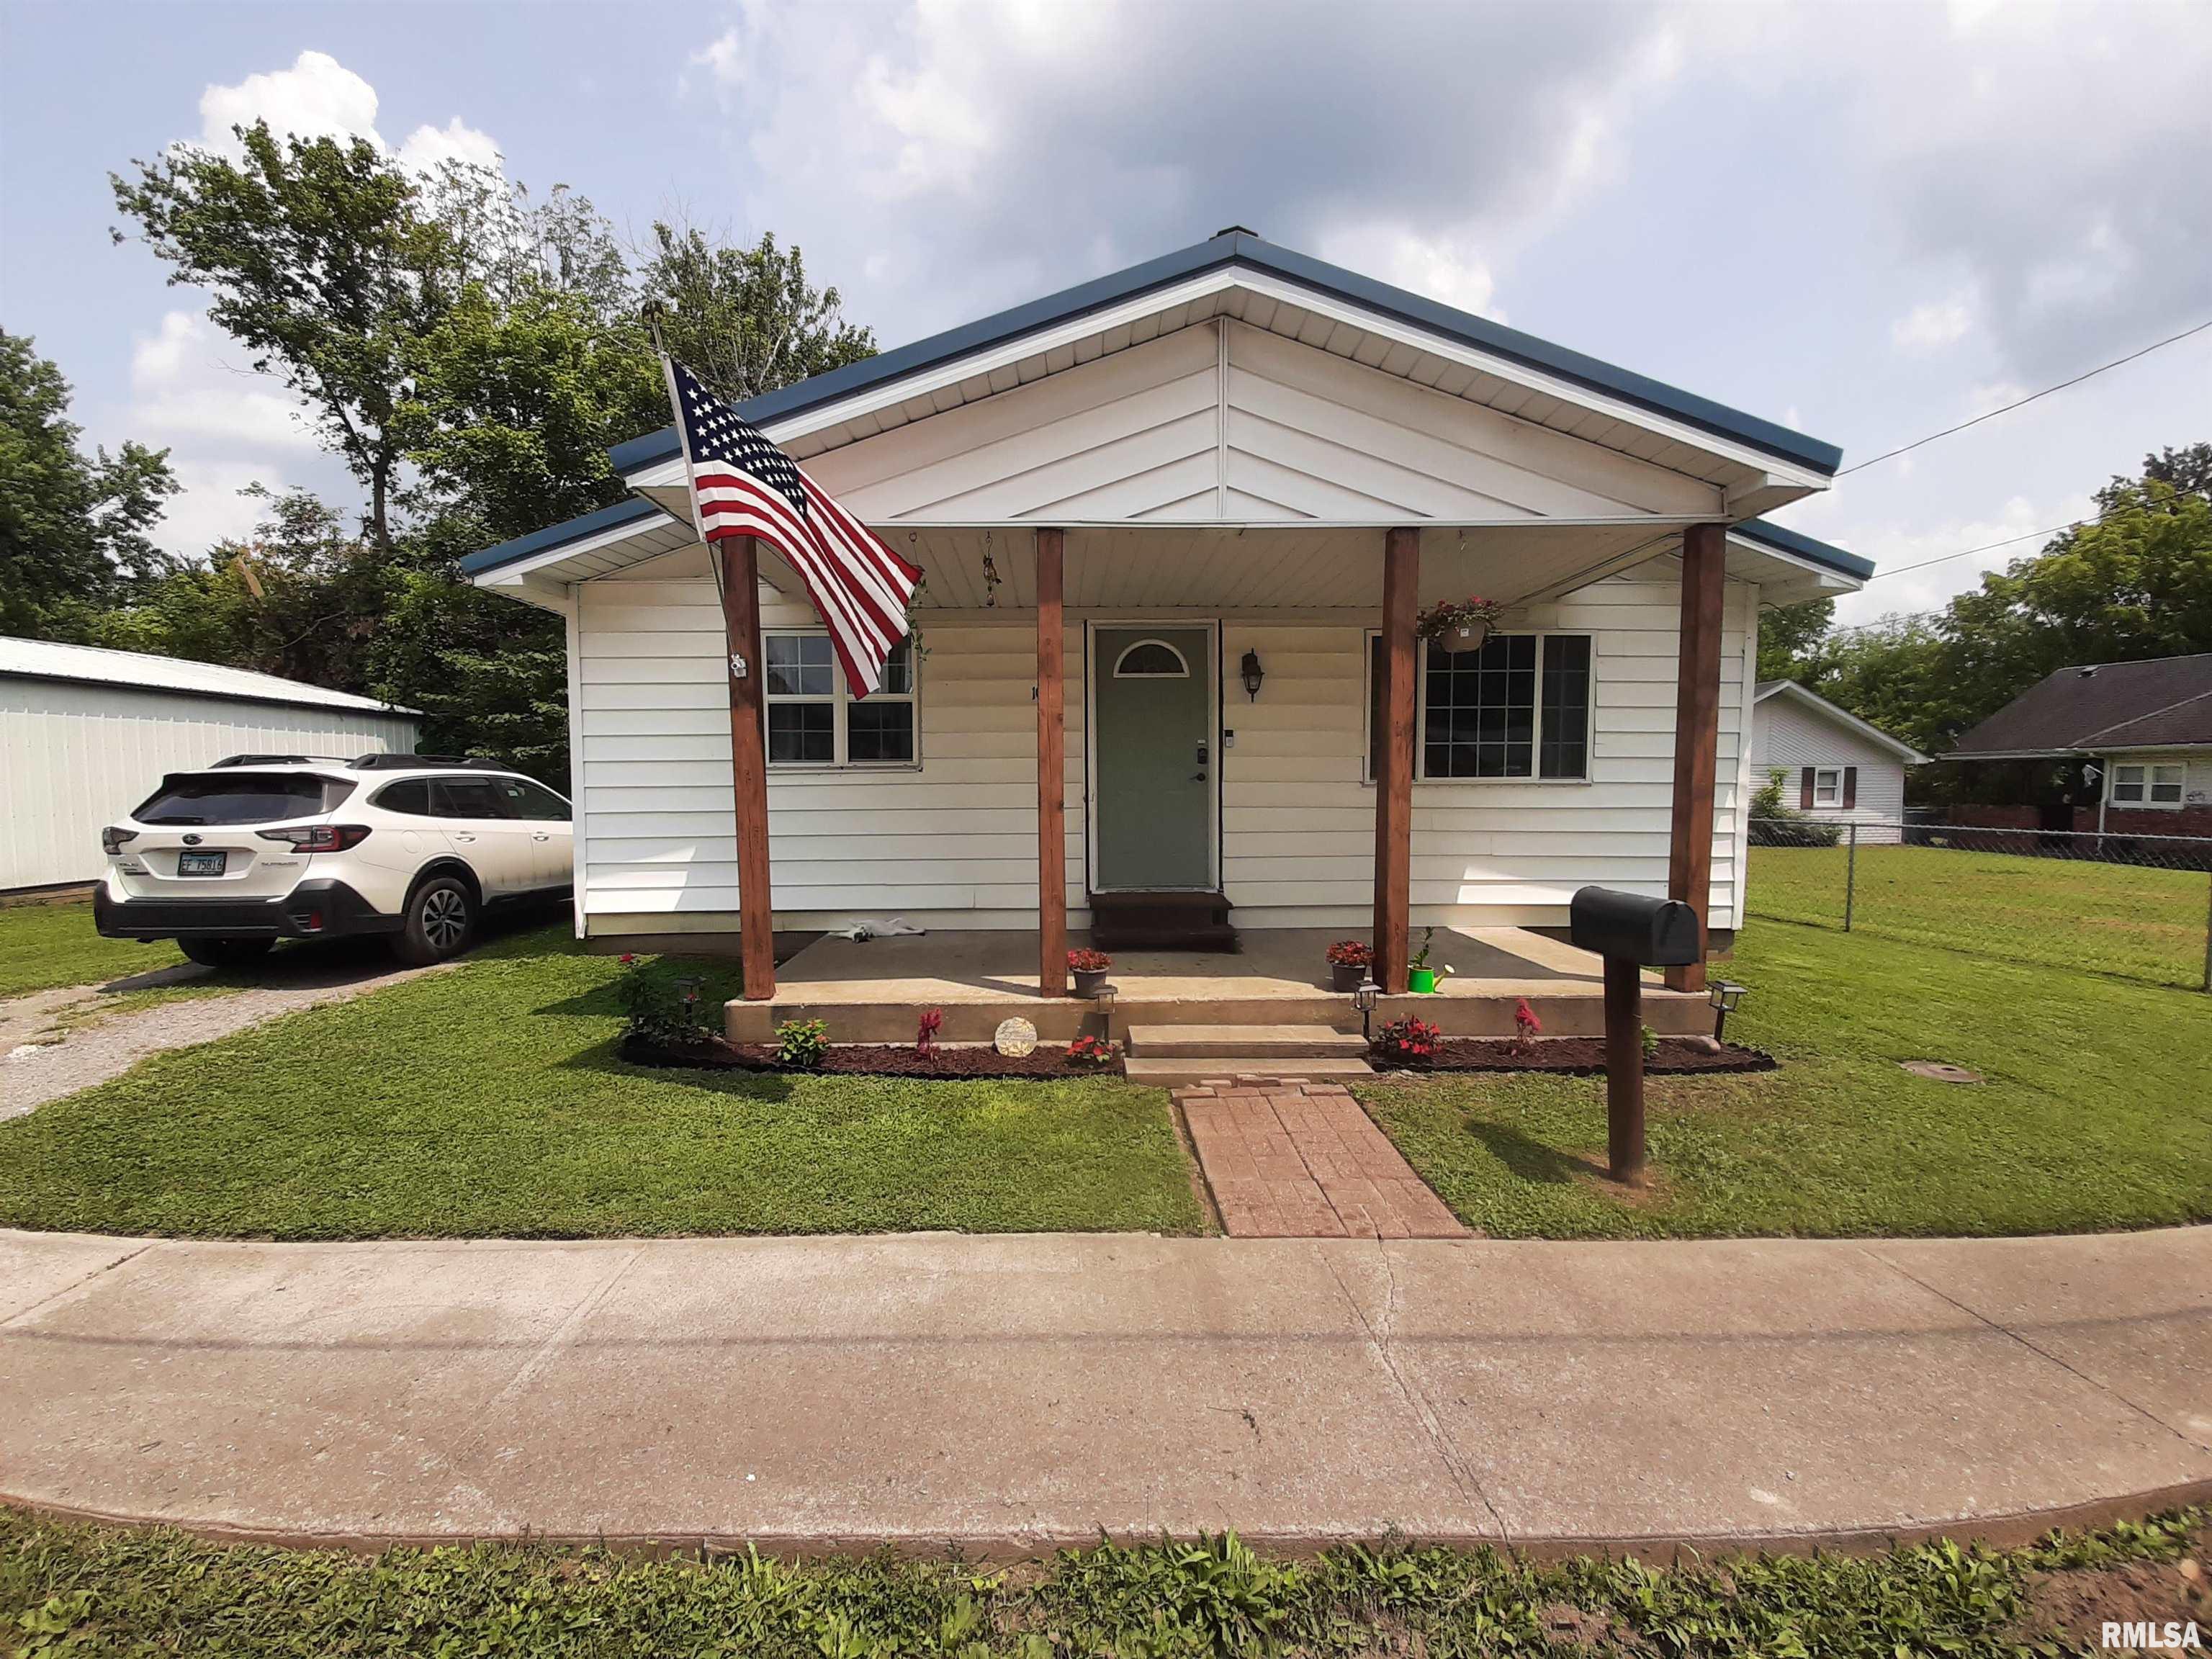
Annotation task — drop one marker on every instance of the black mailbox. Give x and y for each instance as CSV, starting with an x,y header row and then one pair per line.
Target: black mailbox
x,y
1628,927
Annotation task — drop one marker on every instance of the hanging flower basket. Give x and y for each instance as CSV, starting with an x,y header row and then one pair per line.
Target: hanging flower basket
x,y
1456,625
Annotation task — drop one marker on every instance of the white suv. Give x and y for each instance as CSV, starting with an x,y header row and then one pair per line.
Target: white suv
x,y
259,848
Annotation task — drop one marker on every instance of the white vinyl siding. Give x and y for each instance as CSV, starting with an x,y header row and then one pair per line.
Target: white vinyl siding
x,y
76,756
1789,736
1298,817
950,842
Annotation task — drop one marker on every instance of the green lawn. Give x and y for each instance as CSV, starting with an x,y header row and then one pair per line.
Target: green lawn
x,y
2097,1112
67,1588
2112,918
485,1102
43,946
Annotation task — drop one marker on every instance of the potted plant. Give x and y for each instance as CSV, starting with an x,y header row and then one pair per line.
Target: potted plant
x,y
1088,968
1421,978
1350,961
1457,625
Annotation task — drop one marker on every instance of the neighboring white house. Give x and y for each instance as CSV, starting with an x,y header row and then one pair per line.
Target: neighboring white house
x,y
85,734
1227,437
1836,765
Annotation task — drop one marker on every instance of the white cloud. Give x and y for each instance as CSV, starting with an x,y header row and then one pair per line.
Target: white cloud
x,y
187,382
208,508
320,97
1932,325
317,98
429,148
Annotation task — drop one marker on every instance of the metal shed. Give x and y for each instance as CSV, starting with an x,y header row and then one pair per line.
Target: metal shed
x,y
86,734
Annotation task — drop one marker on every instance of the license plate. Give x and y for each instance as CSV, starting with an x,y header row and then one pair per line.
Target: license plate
x,y
201,864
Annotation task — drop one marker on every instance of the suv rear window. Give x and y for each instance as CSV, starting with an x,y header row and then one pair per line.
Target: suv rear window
x,y
241,798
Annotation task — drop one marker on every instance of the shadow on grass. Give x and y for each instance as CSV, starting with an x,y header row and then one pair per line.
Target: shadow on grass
x,y
601,1059
1533,1160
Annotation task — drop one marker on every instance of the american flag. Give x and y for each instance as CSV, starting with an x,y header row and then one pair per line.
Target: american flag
x,y
743,485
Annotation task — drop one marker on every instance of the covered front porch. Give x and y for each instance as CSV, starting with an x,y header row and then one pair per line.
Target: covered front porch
x,y
875,990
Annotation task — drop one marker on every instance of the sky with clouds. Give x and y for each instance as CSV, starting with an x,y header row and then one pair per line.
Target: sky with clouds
x,y
1868,221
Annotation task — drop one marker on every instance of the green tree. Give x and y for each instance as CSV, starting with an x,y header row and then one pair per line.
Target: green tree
x,y
73,529
318,264
1789,638
746,319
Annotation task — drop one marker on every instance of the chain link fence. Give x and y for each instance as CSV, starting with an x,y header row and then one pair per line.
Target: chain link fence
x,y
2137,906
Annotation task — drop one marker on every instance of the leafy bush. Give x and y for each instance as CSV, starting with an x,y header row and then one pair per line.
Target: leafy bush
x,y
925,1031
660,1007
1352,953
1407,1039
800,1042
1526,1025
1088,962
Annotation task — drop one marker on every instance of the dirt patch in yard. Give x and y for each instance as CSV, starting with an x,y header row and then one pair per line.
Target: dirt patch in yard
x,y
1580,1057
2073,1606
864,1059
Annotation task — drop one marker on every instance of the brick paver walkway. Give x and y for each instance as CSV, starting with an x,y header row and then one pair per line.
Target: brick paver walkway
x,y
1288,1159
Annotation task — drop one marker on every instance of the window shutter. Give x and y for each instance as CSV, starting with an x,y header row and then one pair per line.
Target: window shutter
x,y
1805,789
1851,788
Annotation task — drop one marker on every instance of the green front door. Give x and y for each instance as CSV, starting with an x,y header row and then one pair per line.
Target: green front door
x,y
1154,747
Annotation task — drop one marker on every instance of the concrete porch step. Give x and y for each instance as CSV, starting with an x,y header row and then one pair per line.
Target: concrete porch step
x,y
1276,1041
1164,1071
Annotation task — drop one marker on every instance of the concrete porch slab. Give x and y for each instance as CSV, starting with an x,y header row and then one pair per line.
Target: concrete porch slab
x,y
873,991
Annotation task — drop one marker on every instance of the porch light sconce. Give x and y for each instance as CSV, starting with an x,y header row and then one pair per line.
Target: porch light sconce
x,y
1724,995
1364,1000
1251,673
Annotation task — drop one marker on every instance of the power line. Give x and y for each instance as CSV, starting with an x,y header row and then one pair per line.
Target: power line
x,y
1891,455
2026,535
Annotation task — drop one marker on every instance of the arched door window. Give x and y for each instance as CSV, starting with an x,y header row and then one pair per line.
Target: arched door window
x,y
1151,660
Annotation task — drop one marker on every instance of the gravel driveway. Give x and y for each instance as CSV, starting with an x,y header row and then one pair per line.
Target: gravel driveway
x,y
33,1072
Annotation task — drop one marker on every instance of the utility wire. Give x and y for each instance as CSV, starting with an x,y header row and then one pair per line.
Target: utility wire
x,y
1891,455
2026,535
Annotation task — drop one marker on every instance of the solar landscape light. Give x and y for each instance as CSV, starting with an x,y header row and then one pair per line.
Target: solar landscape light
x,y
1364,1000
1724,995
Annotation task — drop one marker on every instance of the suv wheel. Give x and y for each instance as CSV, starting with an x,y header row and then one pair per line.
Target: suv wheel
x,y
225,952
441,919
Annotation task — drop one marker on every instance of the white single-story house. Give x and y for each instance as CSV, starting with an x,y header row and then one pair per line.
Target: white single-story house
x,y
1176,524
1836,766
86,734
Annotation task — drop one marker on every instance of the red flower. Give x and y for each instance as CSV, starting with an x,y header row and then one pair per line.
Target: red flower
x,y
627,960
1525,1021
1089,962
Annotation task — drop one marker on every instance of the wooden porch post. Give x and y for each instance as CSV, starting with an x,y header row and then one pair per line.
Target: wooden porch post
x,y
1394,783
741,629
1696,734
1052,772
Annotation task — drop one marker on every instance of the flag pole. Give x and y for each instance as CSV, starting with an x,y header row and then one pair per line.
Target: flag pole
x,y
652,313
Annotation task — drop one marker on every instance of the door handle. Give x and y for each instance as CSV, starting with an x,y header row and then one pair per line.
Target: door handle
x,y
540,834
1198,777
460,835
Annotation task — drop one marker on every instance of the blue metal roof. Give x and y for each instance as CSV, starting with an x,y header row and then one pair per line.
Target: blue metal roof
x,y
1240,247
629,511
1804,546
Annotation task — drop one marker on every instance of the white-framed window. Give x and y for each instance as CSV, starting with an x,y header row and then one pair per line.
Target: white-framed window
x,y
813,721
2147,785
1519,708
1828,785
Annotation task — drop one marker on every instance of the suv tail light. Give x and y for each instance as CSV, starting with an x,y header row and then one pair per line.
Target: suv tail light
x,y
320,837
112,841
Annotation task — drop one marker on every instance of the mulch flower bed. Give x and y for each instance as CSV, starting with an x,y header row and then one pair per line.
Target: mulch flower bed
x,y
1578,1057
863,1059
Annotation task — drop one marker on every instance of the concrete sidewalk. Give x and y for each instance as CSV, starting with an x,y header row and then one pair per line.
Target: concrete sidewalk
x,y
1008,1393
